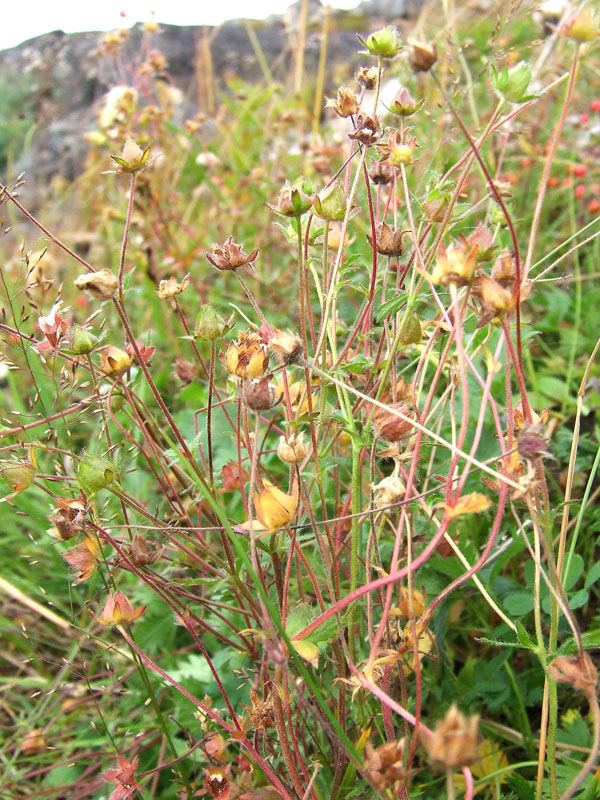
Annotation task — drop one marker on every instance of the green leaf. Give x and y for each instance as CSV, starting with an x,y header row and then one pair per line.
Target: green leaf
x,y
575,572
523,636
390,307
519,604
592,575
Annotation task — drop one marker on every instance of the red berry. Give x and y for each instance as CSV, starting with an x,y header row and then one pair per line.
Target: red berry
x,y
593,206
580,190
579,170
595,105
583,118
525,162
553,181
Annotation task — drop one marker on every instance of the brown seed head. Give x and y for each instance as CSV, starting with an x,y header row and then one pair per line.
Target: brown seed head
x,y
229,255
102,284
390,241
259,394
366,76
454,741
578,670
292,450
421,55
345,104
367,130
384,765
389,425
288,346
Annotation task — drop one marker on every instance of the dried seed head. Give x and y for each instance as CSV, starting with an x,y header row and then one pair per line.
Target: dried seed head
x,y
455,265
366,76
288,346
578,670
532,443
496,300
454,741
367,130
421,55
292,450
504,270
345,104
229,255
102,284
384,765
388,491
381,174
169,288
389,241
259,394
389,425
114,361
184,371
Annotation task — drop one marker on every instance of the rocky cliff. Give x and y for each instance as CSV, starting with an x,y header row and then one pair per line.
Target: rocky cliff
x,y
53,84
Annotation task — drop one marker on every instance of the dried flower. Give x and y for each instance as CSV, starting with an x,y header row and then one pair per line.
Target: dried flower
x,y
140,553
114,361
421,55
581,25
389,425
454,265
345,104
33,742
184,371
381,174
288,346
384,43
504,270
67,518
367,130
404,104
102,284
216,782
132,159
53,326
366,76
229,255
384,765
453,743
274,508
292,450
123,778
388,491
389,241
496,300
83,557
531,442
144,352
259,394
170,288
246,358
577,670
118,610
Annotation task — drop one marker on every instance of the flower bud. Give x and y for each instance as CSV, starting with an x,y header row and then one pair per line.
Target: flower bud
x,y
210,325
82,341
292,450
295,198
102,284
133,159
581,25
391,427
404,104
331,203
411,332
512,83
114,361
421,55
95,473
495,299
384,43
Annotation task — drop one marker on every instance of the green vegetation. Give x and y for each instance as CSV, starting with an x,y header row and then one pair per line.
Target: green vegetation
x,y
299,434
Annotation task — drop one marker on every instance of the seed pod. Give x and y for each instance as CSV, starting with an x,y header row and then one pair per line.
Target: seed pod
x,y
102,284
390,426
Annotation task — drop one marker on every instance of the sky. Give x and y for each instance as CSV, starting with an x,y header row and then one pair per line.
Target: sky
x,y
26,19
